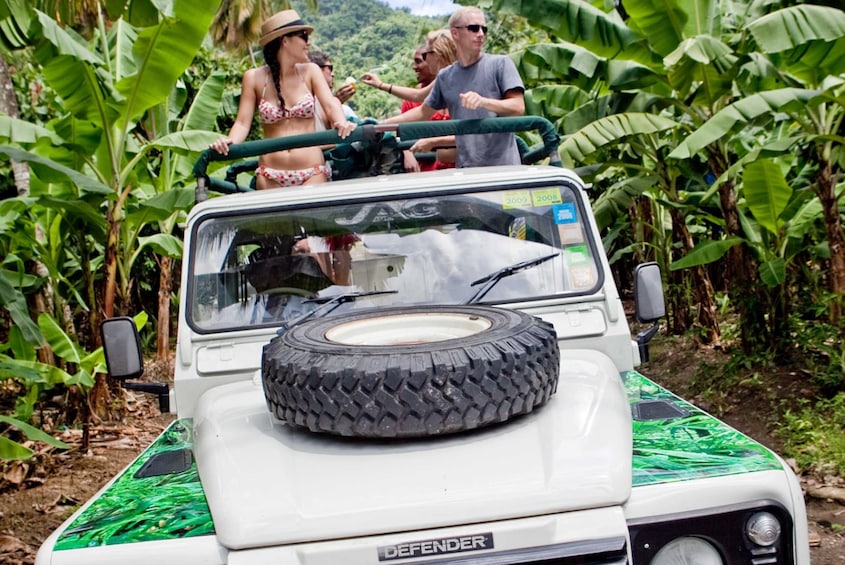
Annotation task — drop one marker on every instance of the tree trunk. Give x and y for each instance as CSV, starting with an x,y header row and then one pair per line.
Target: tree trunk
x,y
702,289
165,289
9,106
740,267
42,301
826,180
110,265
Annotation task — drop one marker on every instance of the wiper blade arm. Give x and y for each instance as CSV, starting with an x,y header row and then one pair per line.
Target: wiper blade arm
x,y
493,278
328,305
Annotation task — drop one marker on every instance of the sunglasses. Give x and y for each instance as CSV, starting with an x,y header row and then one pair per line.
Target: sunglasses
x,y
329,67
473,28
425,54
301,34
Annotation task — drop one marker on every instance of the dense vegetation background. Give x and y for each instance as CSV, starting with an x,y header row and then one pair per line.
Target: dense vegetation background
x,y
712,132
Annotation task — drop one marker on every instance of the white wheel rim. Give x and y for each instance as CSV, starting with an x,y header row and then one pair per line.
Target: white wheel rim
x,y
405,329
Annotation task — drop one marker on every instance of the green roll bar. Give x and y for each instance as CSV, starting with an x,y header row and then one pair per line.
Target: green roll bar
x,y
370,133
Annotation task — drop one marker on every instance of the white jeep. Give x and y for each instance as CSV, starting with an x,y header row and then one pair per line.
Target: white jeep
x,y
423,368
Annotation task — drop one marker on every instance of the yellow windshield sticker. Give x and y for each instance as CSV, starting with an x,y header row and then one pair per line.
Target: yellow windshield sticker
x,y
546,196
516,199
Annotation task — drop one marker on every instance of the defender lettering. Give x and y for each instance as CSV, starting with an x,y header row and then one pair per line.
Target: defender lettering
x,y
435,547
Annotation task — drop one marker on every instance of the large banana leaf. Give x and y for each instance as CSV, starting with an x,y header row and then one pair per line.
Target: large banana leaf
x,y
766,193
23,132
162,53
120,40
15,19
704,253
796,26
807,41
661,22
610,130
577,21
163,244
813,62
159,207
704,60
48,168
15,303
561,63
740,113
553,102
34,433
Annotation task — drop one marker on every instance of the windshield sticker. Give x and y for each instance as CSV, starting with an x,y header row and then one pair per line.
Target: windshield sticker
x,y
546,197
689,443
516,199
139,508
565,213
439,546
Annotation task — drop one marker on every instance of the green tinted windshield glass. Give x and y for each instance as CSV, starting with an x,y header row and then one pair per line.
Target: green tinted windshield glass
x,y
262,268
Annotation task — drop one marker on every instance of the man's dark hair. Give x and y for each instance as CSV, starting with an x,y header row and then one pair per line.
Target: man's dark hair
x,y
318,58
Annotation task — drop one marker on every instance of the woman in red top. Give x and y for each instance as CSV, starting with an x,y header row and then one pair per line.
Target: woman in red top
x,y
437,53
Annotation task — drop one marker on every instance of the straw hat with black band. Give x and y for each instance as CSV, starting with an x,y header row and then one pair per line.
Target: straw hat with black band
x,y
282,23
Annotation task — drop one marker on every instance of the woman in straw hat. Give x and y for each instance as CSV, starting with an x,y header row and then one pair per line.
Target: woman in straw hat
x,y
283,92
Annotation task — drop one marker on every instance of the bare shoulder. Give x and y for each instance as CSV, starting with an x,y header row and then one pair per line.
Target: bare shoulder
x,y
256,74
307,69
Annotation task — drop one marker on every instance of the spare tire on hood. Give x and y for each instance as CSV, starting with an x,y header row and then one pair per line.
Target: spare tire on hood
x,y
410,371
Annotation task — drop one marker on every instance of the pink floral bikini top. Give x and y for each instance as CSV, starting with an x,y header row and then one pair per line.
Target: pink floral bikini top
x,y
271,113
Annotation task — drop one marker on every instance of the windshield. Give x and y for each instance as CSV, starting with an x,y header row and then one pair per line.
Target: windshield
x,y
262,268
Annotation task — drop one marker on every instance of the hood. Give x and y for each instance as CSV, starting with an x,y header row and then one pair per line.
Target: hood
x,y
268,484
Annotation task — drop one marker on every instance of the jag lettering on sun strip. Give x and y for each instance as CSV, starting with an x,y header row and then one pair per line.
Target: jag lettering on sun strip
x,y
439,546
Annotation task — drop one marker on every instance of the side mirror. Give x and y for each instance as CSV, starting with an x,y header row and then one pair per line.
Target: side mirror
x,y
649,303
125,360
648,293
122,348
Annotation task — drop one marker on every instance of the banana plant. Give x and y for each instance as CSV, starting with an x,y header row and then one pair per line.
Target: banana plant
x,y
96,152
805,42
36,378
690,61
107,85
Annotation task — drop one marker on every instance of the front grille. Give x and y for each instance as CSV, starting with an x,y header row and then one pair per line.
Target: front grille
x,y
611,551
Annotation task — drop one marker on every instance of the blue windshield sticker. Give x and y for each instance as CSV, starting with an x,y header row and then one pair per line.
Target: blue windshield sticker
x,y
565,213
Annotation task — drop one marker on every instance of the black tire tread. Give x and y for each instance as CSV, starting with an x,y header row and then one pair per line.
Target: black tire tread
x,y
425,390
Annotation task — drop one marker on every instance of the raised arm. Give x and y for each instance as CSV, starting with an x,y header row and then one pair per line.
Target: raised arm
x,y
404,92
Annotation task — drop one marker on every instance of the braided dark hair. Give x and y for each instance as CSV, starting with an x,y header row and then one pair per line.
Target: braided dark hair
x,y
271,57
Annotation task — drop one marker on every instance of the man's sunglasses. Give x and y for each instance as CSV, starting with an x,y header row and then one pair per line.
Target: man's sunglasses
x,y
473,28
301,33
329,67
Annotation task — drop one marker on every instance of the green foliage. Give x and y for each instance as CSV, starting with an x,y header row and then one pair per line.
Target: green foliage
x,y
365,36
812,435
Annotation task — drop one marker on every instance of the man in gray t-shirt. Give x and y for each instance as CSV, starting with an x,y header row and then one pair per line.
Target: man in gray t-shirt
x,y
477,85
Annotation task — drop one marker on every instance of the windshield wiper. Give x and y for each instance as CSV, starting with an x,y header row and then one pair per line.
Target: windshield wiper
x,y
328,305
493,278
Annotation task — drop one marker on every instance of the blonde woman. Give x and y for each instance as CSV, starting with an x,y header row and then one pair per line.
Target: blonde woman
x,y
438,52
284,92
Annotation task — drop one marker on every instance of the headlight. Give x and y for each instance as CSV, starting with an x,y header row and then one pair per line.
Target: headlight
x,y
687,551
763,529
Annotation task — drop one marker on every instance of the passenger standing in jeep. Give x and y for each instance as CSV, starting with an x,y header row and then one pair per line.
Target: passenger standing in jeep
x,y
287,76
477,85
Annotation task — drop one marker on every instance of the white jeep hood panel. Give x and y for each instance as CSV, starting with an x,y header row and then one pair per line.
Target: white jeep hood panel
x,y
268,484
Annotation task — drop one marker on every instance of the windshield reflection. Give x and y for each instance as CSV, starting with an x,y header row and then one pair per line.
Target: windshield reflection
x,y
263,268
